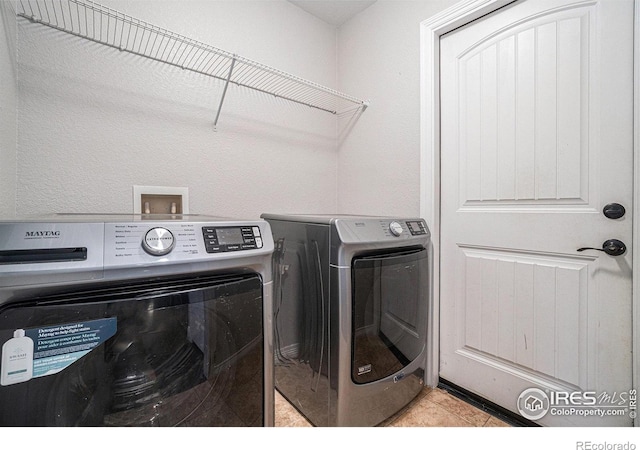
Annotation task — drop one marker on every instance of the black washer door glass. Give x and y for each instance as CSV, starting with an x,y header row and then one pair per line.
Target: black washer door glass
x,y
177,352
389,294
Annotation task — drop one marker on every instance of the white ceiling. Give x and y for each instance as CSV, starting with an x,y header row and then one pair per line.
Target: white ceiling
x,y
334,12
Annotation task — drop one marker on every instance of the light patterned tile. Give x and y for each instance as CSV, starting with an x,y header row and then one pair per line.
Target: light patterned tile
x,y
421,395
431,408
495,422
426,413
286,415
459,407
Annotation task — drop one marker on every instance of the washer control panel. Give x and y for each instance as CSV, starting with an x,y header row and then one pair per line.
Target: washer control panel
x,y
158,241
87,247
231,239
163,242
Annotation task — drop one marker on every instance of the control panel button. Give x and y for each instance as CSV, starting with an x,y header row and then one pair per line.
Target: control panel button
x,y
158,241
395,228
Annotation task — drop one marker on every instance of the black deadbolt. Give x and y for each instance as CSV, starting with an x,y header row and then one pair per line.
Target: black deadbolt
x,y
613,211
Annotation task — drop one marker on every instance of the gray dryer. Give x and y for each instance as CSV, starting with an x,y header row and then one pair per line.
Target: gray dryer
x,y
350,315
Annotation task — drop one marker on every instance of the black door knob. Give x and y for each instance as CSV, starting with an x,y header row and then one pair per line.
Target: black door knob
x,y
613,247
613,211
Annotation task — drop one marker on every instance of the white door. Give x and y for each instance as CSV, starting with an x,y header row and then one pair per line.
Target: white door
x,y
536,138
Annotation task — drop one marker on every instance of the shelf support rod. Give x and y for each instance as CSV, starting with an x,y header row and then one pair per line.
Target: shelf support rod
x,y
224,93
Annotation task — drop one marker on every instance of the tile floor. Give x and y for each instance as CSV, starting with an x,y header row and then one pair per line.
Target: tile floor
x,y
431,408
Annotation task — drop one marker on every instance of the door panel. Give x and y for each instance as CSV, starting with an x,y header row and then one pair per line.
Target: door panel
x,y
515,303
536,138
523,118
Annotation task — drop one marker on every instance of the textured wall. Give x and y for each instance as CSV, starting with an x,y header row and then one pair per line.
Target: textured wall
x,y
93,121
379,59
8,98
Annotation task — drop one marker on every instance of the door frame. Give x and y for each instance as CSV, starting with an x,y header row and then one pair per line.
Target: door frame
x,y
431,30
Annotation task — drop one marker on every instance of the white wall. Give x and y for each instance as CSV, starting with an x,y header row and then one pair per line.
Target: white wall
x,y
379,60
8,96
93,121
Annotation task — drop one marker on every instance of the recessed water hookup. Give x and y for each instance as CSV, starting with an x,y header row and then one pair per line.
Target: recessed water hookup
x,y
160,200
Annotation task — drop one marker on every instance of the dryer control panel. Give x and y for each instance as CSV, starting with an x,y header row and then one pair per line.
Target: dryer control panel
x,y
416,227
403,228
380,230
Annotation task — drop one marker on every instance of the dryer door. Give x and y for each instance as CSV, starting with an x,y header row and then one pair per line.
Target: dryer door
x,y
389,300
154,352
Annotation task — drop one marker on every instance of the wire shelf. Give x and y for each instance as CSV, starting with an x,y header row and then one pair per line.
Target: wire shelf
x,y
97,23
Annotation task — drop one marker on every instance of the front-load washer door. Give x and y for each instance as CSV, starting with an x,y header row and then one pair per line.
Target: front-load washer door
x,y
184,351
389,312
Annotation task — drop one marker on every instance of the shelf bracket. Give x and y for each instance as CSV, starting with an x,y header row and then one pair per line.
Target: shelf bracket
x,y
224,93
